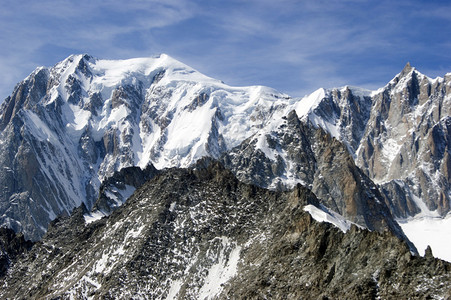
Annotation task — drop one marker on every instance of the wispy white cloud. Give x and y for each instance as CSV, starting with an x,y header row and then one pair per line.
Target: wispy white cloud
x,y
295,46
336,42
33,31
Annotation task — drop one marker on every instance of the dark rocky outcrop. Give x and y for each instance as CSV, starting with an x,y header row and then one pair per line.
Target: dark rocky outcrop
x,y
196,233
116,189
12,246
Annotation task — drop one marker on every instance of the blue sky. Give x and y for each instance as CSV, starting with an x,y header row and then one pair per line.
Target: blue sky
x,y
292,46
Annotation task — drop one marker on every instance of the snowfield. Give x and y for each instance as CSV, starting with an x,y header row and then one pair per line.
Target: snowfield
x,y
432,231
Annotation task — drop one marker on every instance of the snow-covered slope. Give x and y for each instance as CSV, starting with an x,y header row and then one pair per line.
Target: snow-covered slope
x,y
430,231
67,128
166,112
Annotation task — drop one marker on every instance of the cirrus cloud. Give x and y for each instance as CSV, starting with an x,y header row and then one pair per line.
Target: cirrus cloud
x,y
293,46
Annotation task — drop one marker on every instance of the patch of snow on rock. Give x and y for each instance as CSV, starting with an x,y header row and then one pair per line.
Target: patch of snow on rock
x,y
324,215
221,272
93,216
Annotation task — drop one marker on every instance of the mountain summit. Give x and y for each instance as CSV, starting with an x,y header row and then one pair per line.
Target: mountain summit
x,y
67,128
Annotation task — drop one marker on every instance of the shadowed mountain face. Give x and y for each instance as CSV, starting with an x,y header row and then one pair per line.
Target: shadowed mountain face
x,y
200,233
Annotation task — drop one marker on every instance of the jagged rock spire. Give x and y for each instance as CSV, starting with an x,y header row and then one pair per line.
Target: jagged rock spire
x,y
406,70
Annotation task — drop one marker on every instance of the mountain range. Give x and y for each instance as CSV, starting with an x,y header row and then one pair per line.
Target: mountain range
x,y
91,146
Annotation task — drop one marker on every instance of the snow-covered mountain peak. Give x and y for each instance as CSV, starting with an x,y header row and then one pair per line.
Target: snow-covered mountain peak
x,y
310,102
114,72
408,76
103,76
86,118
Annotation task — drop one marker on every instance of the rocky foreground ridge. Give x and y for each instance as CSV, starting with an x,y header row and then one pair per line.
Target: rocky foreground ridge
x,y
200,233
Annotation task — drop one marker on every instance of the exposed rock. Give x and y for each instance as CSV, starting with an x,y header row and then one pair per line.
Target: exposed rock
x,y
115,190
191,234
406,143
320,162
12,246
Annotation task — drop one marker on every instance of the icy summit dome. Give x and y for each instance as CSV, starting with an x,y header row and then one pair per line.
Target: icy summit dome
x,y
86,118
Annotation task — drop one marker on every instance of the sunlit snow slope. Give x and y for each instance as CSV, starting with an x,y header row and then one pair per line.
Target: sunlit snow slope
x,y
67,128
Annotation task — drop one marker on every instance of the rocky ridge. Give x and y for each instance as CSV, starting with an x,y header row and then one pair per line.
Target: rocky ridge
x,y
200,233
115,190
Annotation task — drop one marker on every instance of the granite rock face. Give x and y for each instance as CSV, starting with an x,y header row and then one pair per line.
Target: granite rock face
x,y
35,160
200,233
302,153
406,144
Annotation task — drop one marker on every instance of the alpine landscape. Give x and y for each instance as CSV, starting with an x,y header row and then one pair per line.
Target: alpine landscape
x,y
144,179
